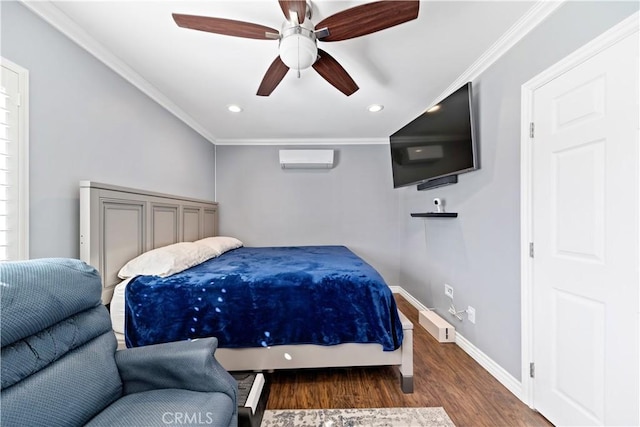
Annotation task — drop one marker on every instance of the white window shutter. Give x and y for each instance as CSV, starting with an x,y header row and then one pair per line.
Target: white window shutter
x,y
13,164
6,238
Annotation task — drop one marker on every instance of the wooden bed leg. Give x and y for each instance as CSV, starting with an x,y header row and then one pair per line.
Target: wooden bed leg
x,y
406,369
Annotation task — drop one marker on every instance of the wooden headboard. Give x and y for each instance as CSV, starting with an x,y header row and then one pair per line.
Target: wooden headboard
x,y
118,223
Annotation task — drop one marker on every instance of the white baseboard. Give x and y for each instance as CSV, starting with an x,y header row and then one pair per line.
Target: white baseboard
x,y
406,295
497,371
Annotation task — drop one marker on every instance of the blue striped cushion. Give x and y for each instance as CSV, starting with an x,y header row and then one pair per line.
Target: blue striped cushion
x,y
28,356
37,294
68,392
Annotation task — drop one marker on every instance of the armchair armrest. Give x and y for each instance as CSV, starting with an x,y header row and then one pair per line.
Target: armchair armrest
x,y
188,365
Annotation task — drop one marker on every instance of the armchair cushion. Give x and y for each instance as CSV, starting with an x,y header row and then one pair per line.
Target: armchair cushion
x,y
39,293
26,357
169,407
189,365
68,392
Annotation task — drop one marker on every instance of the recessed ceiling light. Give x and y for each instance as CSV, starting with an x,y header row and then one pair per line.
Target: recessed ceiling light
x,y
434,108
374,108
234,108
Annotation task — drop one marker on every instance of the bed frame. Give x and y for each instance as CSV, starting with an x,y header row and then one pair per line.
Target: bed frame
x,y
118,223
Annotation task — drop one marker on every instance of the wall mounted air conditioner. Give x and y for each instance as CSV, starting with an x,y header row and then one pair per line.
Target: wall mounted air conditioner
x,y
306,159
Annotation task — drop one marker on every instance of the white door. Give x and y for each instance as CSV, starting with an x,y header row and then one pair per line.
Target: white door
x,y
585,222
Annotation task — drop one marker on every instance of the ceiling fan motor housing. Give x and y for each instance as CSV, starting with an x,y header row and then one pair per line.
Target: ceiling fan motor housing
x,y
298,45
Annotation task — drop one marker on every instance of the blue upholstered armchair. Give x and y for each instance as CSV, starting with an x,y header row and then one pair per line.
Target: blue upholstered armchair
x,y
60,366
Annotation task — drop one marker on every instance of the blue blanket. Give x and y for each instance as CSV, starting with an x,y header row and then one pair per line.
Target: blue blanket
x,y
252,297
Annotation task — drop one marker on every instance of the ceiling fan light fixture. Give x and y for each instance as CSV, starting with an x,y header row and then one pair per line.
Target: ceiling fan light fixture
x,y
234,108
298,47
374,108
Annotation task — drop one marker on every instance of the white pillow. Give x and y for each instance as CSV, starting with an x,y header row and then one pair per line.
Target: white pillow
x,y
221,244
167,260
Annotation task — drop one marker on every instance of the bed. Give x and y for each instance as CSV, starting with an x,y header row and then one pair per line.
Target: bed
x,y
118,224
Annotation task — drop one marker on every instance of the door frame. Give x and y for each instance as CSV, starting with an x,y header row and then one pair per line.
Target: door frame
x,y
626,28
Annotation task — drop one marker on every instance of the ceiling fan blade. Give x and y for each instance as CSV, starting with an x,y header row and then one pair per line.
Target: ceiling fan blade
x,y
332,71
227,27
272,77
298,6
368,18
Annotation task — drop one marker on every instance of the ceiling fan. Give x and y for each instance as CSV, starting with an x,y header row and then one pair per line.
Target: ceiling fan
x,y
299,36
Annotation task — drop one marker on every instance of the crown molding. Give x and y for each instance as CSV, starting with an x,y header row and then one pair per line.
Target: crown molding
x,y
303,141
60,21
530,20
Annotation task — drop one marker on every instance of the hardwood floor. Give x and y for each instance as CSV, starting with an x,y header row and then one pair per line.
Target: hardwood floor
x,y
444,375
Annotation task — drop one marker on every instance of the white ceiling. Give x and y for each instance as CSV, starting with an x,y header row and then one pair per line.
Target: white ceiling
x,y
197,75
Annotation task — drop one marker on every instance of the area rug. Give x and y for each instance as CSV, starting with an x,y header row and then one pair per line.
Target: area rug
x,y
371,417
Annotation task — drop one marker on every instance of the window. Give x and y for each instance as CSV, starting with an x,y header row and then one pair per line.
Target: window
x,y
14,160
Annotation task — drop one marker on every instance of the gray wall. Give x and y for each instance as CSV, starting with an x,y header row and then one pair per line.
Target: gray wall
x,y
479,253
352,204
86,122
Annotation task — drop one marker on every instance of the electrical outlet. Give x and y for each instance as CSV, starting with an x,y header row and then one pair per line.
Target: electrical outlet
x,y
471,314
448,291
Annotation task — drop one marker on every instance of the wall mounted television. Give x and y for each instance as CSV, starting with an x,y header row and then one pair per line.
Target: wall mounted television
x,y
438,145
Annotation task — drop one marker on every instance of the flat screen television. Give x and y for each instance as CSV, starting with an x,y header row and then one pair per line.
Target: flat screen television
x,y
434,148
